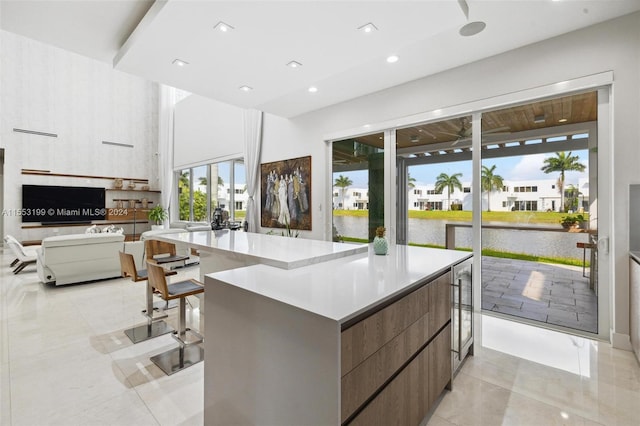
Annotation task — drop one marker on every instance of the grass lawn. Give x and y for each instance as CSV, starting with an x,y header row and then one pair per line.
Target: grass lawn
x,y
521,217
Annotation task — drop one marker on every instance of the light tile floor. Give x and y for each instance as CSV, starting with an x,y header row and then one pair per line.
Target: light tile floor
x,y
554,294
64,360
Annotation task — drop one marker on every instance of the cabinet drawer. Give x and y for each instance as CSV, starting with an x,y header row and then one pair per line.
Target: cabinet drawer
x,y
366,337
411,394
365,379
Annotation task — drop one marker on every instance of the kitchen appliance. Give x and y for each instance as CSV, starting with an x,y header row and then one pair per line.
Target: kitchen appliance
x,y
462,312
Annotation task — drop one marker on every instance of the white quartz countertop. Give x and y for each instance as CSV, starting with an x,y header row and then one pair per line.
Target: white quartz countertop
x,y
344,288
273,250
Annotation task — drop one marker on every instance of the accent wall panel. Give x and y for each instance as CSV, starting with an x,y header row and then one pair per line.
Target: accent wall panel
x,y
206,131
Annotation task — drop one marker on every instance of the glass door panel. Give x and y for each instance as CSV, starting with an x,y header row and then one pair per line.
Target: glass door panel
x,y
434,183
539,223
358,187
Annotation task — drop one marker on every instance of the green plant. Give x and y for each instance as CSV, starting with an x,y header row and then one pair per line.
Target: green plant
x,y
288,232
571,220
158,214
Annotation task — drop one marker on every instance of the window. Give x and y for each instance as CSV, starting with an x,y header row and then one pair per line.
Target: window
x,y
433,192
201,189
357,194
335,194
504,204
534,189
505,189
466,189
417,191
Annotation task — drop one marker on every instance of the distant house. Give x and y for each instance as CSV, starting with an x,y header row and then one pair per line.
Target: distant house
x,y
521,195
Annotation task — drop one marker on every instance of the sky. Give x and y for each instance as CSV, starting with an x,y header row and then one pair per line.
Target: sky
x,y
510,168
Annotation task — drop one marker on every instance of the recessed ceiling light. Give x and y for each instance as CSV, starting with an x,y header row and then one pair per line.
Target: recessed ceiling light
x,y
245,88
313,89
539,119
563,120
294,64
222,27
368,28
180,63
392,59
472,28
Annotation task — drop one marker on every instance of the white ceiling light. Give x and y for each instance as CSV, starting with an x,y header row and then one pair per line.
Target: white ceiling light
x,y
313,89
246,88
368,28
471,28
180,63
294,64
392,59
222,27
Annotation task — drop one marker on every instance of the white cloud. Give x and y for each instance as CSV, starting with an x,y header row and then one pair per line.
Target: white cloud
x,y
528,168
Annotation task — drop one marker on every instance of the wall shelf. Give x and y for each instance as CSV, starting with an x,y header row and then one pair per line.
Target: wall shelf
x,y
49,173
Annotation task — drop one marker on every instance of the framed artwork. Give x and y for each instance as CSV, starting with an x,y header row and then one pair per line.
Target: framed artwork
x,y
285,188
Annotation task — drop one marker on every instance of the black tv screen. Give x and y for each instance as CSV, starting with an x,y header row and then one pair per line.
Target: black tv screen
x,y
62,204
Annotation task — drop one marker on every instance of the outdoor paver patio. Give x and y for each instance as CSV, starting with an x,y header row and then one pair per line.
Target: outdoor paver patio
x,y
554,294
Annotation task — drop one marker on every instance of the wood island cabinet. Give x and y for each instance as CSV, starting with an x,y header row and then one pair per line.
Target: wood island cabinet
x,y
360,340
402,342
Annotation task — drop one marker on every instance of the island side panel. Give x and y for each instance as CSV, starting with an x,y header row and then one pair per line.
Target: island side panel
x,y
267,362
219,260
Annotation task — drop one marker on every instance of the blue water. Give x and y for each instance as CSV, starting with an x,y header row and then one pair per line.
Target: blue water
x,y
537,243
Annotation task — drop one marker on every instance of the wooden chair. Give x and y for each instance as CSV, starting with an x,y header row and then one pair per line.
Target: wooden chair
x,y
188,352
155,326
162,252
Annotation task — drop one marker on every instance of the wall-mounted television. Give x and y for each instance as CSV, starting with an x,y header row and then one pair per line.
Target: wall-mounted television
x,y
62,204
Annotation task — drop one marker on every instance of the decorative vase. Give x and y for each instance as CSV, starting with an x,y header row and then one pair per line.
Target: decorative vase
x,y
380,245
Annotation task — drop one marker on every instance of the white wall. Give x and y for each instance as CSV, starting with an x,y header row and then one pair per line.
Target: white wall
x,y
85,102
206,131
613,45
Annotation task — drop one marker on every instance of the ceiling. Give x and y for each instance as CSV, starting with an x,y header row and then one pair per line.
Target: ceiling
x,y
145,37
512,127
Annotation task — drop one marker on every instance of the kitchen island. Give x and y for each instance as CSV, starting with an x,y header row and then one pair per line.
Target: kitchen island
x,y
224,249
362,339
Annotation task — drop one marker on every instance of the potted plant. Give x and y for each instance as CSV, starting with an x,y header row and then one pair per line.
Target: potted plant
x,y
158,214
380,245
570,221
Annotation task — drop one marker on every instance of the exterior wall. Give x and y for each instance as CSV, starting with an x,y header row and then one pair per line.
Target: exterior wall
x,y
421,196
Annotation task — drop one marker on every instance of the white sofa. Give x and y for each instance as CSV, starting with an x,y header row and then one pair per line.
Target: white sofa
x,y
68,259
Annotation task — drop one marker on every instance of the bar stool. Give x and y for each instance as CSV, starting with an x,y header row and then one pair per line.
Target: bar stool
x,y
162,252
155,326
187,353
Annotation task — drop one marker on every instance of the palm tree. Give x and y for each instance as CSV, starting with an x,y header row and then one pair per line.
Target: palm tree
x,y
203,181
562,163
489,182
411,181
343,182
450,182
